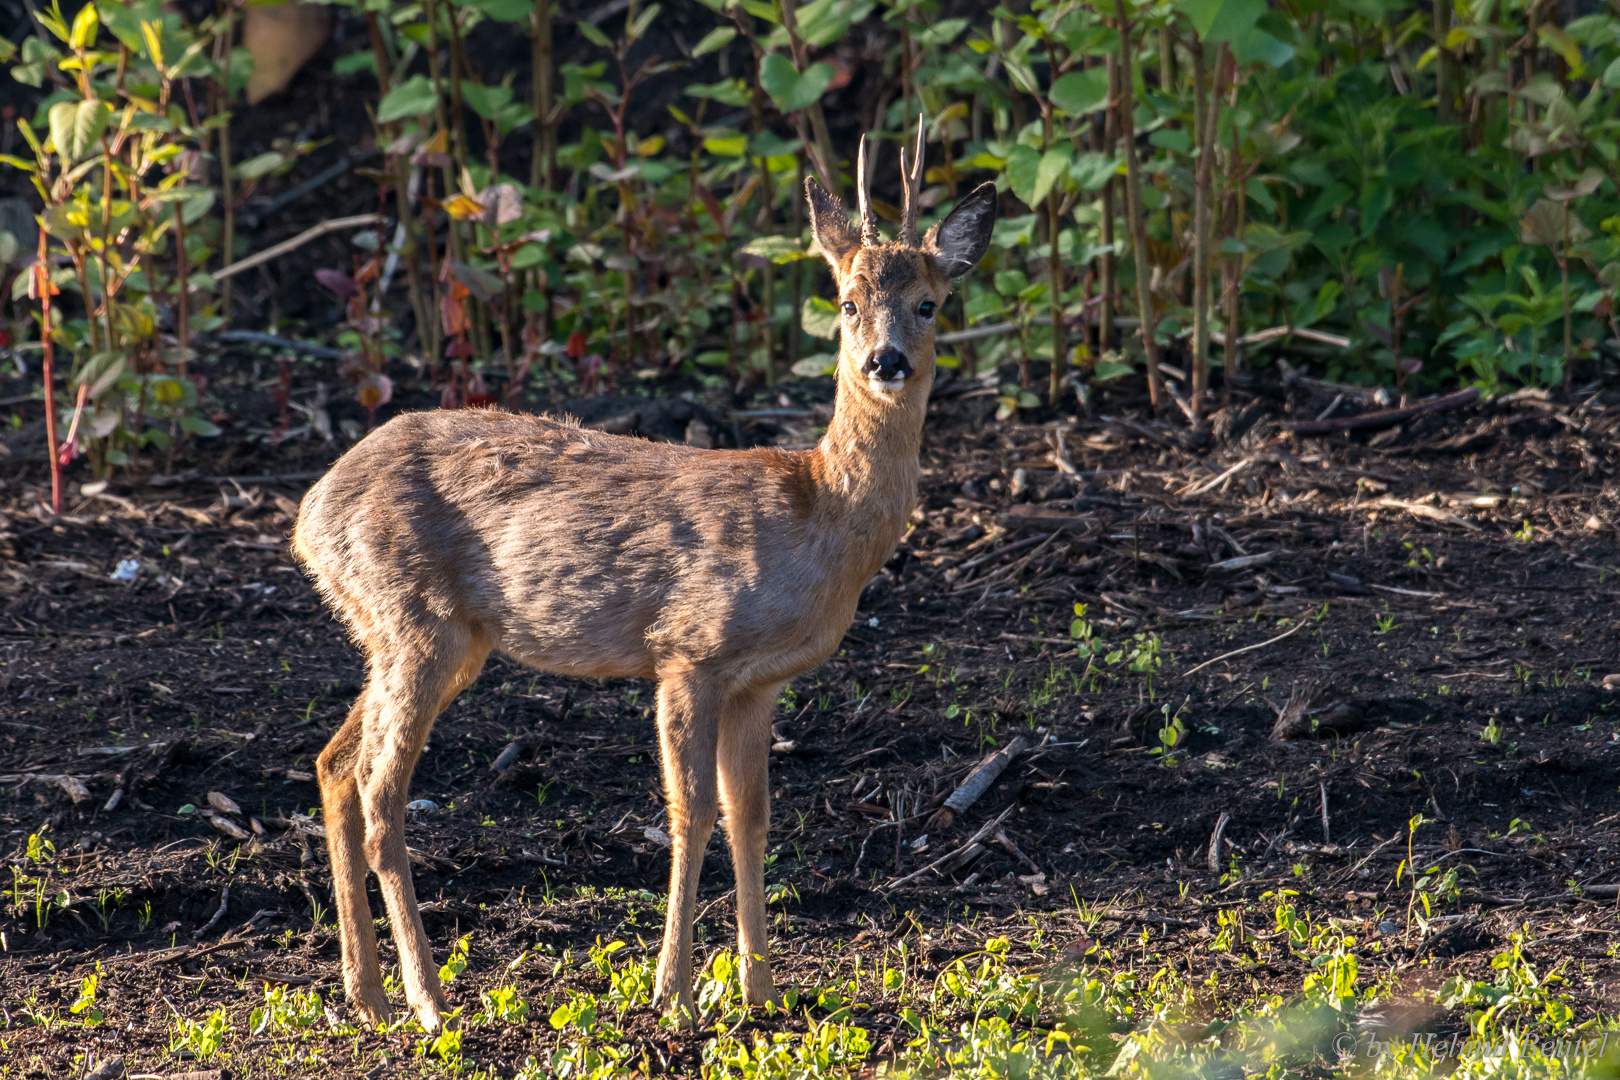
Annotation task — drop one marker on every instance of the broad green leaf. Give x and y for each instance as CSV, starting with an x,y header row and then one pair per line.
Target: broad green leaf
x,y
726,145
355,63
1091,171
941,33
1255,46
1081,92
733,92
715,40
1053,167
1023,163
791,90
259,165
814,367
486,101
1222,20
413,97
778,249
819,317
76,125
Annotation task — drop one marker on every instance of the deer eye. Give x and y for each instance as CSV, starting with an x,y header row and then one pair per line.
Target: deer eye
x,y
926,309
849,309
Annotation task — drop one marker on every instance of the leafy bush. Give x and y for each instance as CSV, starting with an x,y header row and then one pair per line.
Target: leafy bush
x,y
1431,190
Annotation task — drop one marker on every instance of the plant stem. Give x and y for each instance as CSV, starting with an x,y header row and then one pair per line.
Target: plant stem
x,y
543,162
42,278
227,181
1234,266
1206,112
1135,211
1105,314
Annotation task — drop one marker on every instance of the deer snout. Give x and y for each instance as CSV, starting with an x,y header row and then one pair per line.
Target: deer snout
x,y
887,364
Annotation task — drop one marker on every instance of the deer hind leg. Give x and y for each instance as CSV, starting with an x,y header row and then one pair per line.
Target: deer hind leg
x,y
414,682
744,763
688,709
345,844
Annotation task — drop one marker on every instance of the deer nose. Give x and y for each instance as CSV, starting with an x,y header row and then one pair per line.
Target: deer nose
x,y
886,364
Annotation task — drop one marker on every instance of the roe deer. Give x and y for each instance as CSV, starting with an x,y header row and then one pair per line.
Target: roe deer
x,y
722,574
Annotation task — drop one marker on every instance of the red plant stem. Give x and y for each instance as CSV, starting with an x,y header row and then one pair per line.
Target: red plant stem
x,y
42,278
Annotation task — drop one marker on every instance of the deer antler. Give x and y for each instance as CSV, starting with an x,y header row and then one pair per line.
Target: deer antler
x,y
863,198
911,172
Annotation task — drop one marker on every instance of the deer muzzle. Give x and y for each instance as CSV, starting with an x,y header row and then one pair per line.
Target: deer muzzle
x,y
888,366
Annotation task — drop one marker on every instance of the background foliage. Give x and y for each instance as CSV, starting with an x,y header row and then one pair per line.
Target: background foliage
x,y
1434,185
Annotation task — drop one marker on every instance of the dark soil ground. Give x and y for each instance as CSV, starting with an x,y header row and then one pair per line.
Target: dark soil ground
x,y
1448,588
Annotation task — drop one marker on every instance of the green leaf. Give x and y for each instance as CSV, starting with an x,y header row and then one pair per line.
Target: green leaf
x,y
726,145
733,92
1081,92
819,317
76,125
1222,20
413,97
594,36
1611,74
715,40
941,33
85,25
634,30
356,63
196,425
1255,46
507,11
259,165
1023,162
486,101
814,367
1091,171
778,249
1053,167
791,90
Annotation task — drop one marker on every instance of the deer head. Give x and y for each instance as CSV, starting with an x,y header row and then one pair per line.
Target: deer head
x,y
888,293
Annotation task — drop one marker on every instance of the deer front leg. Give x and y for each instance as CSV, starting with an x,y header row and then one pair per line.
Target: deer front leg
x,y
687,718
744,768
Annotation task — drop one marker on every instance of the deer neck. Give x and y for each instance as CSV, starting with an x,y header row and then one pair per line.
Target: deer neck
x,y
866,466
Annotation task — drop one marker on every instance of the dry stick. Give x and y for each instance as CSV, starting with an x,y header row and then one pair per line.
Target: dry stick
x,y
986,830
315,233
1134,209
224,899
1327,835
1385,417
1248,648
1215,843
977,783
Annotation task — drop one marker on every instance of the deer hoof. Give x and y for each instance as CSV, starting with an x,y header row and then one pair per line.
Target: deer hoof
x,y
758,987
372,1005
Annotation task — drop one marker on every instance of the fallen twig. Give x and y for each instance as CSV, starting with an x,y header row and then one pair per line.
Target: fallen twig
x,y
224,899
1200,488
1215,843
977,783
1248,648
984,831
1424,510
315,233
1384,417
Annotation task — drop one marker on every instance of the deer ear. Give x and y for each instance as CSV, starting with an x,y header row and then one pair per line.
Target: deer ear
x,y
959,242
835,233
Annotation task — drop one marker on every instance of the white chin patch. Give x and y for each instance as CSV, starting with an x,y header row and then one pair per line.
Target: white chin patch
x,y
892,386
